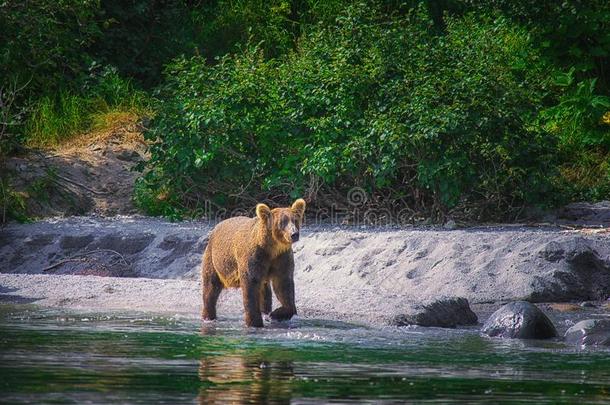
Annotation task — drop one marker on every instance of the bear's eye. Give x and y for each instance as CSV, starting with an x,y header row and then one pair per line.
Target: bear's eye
x,y
283,221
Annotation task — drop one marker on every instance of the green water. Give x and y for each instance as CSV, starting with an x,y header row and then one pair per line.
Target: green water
x,y
49,356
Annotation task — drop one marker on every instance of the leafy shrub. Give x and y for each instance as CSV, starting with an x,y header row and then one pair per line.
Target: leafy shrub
x,y
140,36
577,121
40,51
436,122
572,33
42,41
152,33
204,124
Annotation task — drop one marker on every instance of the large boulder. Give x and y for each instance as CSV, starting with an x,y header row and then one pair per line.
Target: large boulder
x,y
442,312
520,320
575,269
590,332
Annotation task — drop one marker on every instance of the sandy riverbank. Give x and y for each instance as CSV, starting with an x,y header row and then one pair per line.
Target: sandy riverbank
x,y
362,273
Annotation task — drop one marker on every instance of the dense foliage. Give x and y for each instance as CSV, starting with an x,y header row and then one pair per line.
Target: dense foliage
x,y
471,108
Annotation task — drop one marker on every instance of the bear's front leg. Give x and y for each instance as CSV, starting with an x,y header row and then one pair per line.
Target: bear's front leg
x,y
251,291
284,290
282,278
283,286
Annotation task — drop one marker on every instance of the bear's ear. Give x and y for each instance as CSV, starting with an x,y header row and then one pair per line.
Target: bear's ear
x,y
298,207
264,213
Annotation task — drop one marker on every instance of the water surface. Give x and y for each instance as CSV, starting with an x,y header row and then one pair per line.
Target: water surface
x,y
52,356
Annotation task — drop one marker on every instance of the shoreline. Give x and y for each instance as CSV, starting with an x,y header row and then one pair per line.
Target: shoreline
x,y
362,274
96,294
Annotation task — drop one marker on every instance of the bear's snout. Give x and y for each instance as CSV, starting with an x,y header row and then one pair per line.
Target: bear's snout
x,y
294,237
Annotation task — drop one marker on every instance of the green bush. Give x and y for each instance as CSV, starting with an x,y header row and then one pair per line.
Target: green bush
x,y
152,33
224,25
577,121
436,122
448,107
42,42
571,33
41,49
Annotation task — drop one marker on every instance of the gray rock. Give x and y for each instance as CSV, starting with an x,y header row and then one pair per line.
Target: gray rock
x,y
590,332
579,271
450,224
586,213
444,313
129,156
520,320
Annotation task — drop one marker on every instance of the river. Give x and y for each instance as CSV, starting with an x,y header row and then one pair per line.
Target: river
x,y
67,356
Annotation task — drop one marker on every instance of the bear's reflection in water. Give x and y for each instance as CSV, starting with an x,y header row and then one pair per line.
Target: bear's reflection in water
x,y
243,378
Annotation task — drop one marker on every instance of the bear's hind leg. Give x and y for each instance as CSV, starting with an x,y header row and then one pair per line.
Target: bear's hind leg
x,y
212,286
266,299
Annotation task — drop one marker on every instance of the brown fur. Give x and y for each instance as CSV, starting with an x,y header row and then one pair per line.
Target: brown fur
x,y
253,254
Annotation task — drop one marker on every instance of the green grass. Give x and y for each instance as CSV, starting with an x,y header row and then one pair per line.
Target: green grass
x,y
59,117
56,118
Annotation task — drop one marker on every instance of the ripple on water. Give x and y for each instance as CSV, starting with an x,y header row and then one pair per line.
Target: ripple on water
x,y
57,356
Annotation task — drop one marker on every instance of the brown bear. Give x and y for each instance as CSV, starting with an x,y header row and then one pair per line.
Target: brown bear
x,y
253,254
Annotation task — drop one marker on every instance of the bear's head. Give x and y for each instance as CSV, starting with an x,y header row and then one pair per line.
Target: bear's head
x,y
284,223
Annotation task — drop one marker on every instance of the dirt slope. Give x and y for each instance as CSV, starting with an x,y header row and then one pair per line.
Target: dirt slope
x,y
91,174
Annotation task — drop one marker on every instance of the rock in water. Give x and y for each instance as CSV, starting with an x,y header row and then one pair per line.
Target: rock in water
x,y
590,332
443,312
520,320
